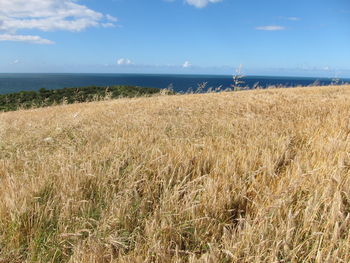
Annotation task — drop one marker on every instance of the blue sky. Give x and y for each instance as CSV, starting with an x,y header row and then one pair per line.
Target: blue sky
x,y
267,37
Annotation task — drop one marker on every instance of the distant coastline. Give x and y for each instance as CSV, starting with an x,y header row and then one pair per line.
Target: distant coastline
x,y
10,83
44,97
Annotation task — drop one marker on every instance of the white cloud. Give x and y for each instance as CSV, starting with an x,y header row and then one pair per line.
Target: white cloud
x,y
124,61
48,15
16,61
111,18
201,3
25,38
290,18
270,28
197,3
106,25
187,64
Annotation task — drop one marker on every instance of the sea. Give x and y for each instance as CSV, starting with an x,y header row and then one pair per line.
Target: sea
x,y
10,83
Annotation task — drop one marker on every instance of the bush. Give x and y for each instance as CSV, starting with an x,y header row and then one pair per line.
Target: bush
x,y
44,97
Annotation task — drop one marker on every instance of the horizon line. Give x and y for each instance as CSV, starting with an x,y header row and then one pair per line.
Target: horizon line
x,y
174,74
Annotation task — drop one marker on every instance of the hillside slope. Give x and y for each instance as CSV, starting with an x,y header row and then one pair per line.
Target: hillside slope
x,y
251,176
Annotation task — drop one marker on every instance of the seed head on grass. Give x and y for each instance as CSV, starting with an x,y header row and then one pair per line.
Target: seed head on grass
x,y
237,79
255,176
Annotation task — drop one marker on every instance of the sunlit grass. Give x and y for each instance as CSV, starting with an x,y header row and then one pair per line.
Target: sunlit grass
x,y
250,176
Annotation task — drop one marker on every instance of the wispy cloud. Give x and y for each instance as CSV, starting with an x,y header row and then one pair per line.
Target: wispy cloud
x,y
25,38
290,18
293,18
198,3
201,3
271,28
16,61
47,15
111,18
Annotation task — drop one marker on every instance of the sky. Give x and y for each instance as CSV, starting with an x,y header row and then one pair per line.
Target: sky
x,y
266,37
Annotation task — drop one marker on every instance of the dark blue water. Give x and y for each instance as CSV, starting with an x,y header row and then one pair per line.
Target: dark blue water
x,y
181,83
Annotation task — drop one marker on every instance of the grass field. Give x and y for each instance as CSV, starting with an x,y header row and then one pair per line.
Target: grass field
x,y
249,176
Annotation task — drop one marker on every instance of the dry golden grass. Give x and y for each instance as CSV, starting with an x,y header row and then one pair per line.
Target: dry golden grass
x,y
251,176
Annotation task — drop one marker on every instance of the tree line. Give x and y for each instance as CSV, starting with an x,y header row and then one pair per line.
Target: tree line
x,y
46,97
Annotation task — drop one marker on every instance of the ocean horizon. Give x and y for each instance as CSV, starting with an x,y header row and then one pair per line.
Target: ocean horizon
x,y
15,82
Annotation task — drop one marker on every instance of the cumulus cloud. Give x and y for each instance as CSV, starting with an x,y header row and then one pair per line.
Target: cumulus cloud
x,y
187,64
124,61
201,3
270,28
47,15
25,38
